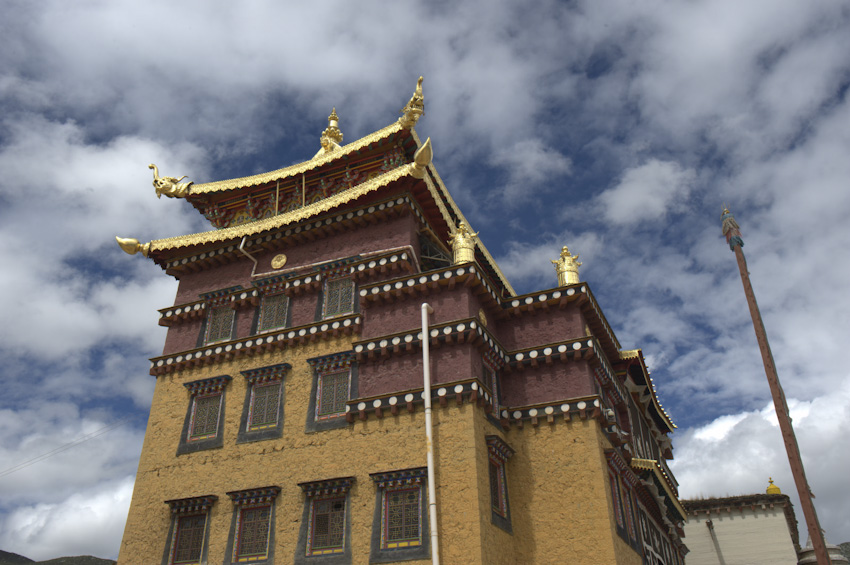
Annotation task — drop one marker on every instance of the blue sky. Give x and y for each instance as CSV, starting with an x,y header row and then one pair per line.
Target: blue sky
x,y
616,128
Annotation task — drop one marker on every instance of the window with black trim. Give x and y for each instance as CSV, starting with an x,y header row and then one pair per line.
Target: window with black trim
x,y
251,538
188,534
338,297
400,524
219,324
203,426
334,384
262,411
491,381
274,310
325,530
498,453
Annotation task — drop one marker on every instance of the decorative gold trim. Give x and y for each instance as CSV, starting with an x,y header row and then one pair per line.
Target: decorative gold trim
x,y
651,465
297,169
629,354
258,226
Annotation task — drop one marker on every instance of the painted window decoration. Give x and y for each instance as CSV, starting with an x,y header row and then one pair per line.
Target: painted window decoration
x,y
498,454
252,539
206,411
220,324
188,531
325,516
491,378
630,514
252,523
498,494
265,403
327,526
339,297
332,394
189,538
402,508
401,511
273,311
618,501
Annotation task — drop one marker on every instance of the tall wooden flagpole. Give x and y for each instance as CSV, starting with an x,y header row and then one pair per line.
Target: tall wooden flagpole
x,y
733,237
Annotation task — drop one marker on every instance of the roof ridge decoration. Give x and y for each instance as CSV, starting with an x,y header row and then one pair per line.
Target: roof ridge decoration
x,y
331,137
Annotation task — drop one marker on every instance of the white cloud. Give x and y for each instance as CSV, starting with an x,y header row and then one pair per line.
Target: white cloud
x,y
736,453
647,193
90,522
531,166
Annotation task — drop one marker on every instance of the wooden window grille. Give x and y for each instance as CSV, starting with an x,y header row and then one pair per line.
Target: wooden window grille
x,y
402,518
205,414
220,324
339,297
253,533
332,394
498,498
618,501
189,539
327,526
265,401
273,312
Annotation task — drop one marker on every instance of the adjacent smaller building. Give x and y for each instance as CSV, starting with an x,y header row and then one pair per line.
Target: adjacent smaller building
x,y
751,528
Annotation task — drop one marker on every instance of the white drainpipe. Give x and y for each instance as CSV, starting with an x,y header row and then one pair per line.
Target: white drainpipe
x,y
426,370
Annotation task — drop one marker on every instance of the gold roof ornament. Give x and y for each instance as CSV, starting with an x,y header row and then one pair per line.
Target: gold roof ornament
x,y
463,244
414,109
567,267
421,159
772,488
169,186
131,246
331,136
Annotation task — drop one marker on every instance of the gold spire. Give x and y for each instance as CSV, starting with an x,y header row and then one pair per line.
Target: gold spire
x,y
772,488
332,136
567,267
414,108
463,244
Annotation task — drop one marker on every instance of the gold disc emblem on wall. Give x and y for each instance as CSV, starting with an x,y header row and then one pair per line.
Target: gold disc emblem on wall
x,y
278,261
482,317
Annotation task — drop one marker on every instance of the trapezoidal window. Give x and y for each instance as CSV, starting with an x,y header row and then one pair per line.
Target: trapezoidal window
x,y
265,402
332,394
206,411
251,529
324,532
187,542
338,297
273,312
400,523
220,324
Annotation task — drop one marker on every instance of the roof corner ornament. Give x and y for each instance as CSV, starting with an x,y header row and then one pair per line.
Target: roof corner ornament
x,y
414,109
421,159
331,137
731,229
169,186
463,244
131,246
567,267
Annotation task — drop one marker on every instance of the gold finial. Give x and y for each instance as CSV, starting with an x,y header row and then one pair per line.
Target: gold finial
x,y
463,244
566,267
331,136
131,246
169,186
421,159
414,109
772,488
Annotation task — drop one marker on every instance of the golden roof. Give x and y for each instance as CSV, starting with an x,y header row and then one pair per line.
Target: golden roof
x,y
298,168
251,228
772,488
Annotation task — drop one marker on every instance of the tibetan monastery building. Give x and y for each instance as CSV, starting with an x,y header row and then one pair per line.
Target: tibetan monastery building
x,y
288,422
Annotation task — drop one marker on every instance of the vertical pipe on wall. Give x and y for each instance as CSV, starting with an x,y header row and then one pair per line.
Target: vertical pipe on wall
x,y
429,434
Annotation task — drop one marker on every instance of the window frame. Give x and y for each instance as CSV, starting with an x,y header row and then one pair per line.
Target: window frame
x,y
261,314
212,310
258,378
326,291
322,389
336,363
201,390
318,491
384,551
498,453
182,509
245,501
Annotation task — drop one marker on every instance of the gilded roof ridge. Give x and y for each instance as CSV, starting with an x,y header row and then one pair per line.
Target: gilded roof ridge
x,y
292,170
272,222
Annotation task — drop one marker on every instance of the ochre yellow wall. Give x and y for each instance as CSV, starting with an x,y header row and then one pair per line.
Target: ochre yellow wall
x,y
557,480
